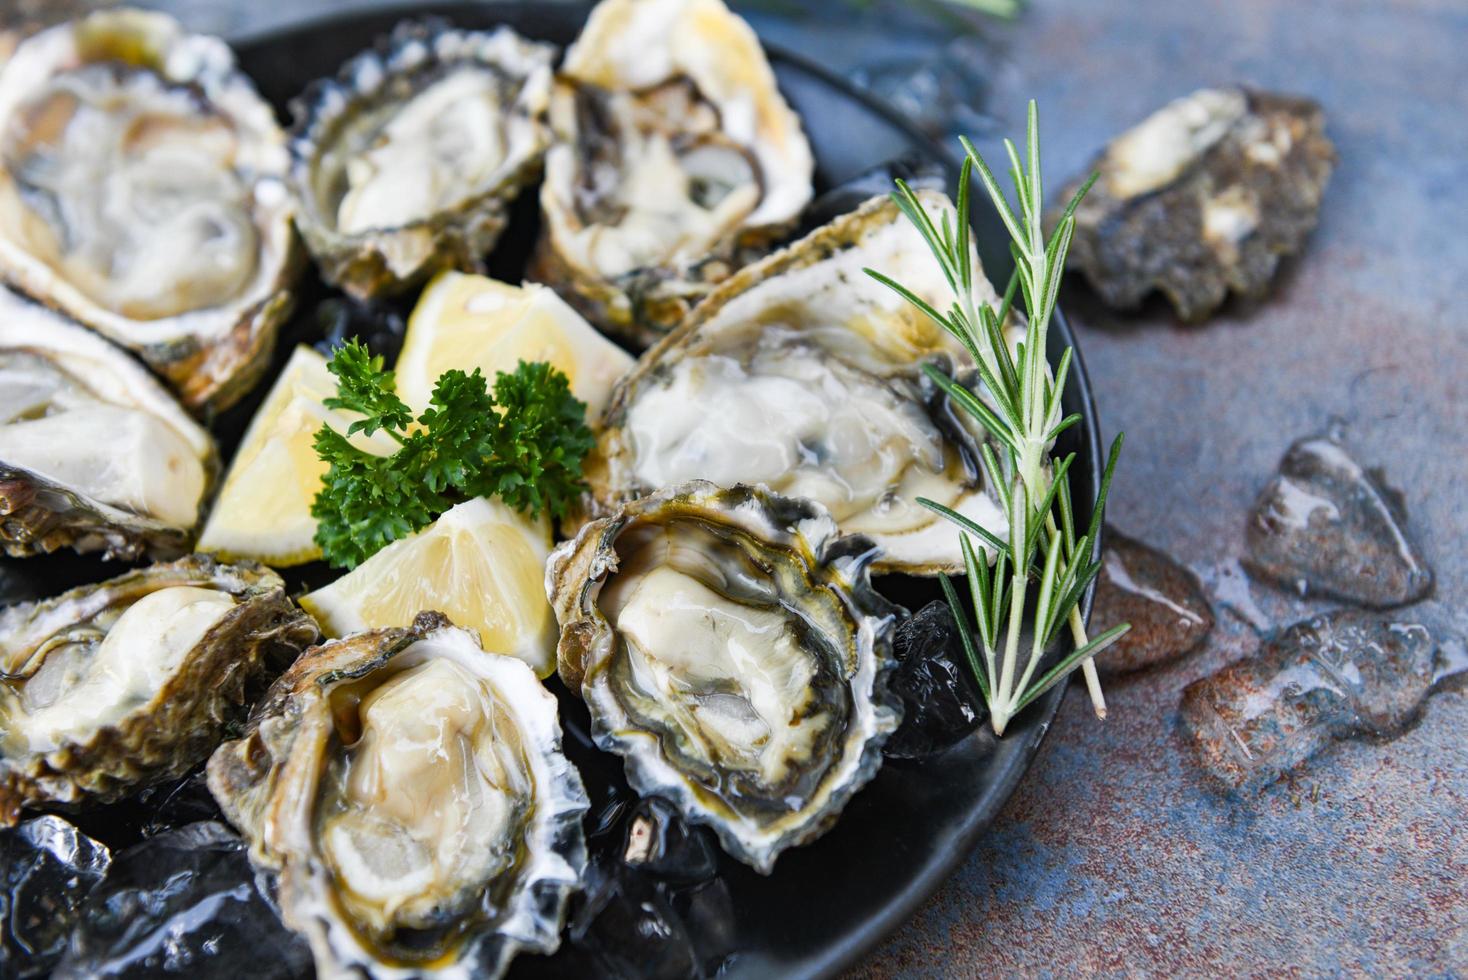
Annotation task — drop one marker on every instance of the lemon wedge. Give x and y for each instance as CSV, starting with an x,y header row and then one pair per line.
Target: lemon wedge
x,y
481,564
466,321
263,510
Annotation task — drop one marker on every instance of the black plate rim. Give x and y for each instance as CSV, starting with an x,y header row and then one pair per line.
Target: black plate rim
x,y
841,955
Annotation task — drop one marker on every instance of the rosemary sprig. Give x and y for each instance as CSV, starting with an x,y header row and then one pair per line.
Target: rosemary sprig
x,y
1022,412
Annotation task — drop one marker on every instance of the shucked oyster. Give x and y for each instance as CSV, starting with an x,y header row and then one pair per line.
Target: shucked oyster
x,y
731,650
803,374
142,193
677,160
110,687
1203,196
406,163
93,452
410,792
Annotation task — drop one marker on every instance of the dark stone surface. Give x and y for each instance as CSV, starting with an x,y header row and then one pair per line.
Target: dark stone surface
x,y
1325,524
1116,854
1333,676
1163,602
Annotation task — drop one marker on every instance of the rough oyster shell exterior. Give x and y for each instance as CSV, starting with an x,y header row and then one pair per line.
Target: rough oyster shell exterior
x,y
39,514
795,543
211,354
266,783
186,717
384,260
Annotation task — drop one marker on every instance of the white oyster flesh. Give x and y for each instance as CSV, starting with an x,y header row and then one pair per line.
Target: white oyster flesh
x,y
104,670
128,191
805,375
140,180
1154,152
52,425
443,145
422,807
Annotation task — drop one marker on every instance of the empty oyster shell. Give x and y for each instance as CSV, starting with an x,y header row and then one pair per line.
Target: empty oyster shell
x,y
94,453
803,374
405,164
676,161
731,650
410,791
142,194
109,687
1203,196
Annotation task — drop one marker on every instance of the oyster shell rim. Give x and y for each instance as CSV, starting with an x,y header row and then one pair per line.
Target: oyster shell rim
x,y
461,235
813,537
244,776
206,690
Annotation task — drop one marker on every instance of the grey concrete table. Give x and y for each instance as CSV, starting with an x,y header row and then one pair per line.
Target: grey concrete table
x,y
1115,856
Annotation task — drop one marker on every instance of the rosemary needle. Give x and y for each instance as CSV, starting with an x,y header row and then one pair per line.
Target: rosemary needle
x,y
1022,413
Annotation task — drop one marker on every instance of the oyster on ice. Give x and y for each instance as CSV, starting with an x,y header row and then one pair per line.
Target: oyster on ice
x,y
803,374
730,648
676,161
142,193
405,164
409,791
94,453
109,687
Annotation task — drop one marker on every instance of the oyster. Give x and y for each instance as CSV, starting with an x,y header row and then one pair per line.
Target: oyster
x,y
676,161
1203,196
731,650
804,374
109,687
142,194
410,792
94,453
406,163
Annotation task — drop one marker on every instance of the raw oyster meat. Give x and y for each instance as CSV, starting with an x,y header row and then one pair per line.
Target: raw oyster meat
x,y
142,193
109,687
1205,195
405,164
730,649
676,161
410,793
94,453
804,374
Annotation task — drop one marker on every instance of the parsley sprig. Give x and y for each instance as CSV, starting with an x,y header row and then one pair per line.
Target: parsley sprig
x,y
524,443
1021,411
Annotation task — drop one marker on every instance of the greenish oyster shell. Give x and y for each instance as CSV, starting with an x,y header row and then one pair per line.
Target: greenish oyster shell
x,y
1204,196
731,649
804,374
406,163
466,897
78,421
676,162
84,721
143,184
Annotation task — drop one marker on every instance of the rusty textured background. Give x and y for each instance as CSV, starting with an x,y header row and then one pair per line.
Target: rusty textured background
x,y
1115,856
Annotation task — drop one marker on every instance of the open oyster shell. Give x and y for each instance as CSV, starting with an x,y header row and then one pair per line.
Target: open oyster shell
x,y
109,687
1202,197
804,374
677,160
405,164
94,453
730,648
410,792
142,194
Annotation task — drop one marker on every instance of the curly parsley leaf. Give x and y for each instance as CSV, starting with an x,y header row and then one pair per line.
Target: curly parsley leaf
x,y
524,443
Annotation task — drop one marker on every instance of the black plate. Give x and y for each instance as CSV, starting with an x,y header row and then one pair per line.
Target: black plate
x,y
903,834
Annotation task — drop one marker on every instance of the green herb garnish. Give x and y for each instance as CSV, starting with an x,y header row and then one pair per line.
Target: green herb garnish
x,y
524,444
1020,409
